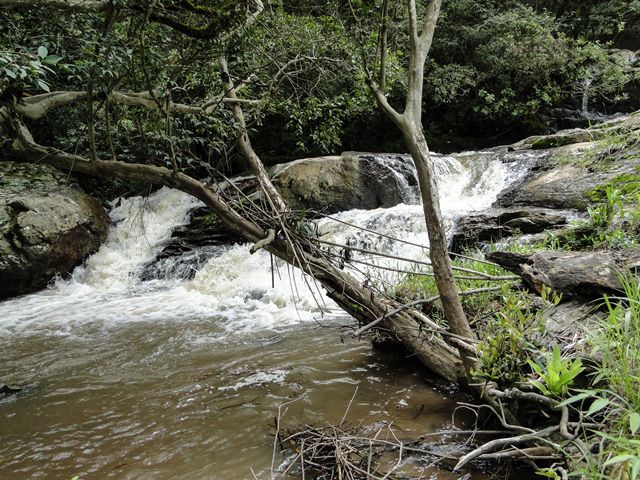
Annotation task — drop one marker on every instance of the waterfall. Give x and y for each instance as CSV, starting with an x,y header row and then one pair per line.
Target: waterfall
x,y
468,181
198,355
404,173
228,282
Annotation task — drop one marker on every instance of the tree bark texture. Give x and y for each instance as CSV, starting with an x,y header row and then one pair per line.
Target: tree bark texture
x,y
409,123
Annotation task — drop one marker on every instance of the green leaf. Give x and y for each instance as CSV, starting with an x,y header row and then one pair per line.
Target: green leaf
x,y
535,366
51,59
43,85
576,398
625,457
598,405
10,73
634,422
540,386
42,51
635,471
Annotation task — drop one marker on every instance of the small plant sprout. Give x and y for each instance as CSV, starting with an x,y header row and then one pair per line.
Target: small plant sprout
x,y
557,375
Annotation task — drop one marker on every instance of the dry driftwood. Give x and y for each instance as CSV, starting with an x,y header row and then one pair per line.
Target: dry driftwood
x,y
583,274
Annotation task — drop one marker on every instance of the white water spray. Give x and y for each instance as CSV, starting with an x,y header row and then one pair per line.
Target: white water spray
x,y
233,288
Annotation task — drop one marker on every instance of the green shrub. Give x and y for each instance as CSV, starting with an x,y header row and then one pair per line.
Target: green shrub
x,y
557,374
506,346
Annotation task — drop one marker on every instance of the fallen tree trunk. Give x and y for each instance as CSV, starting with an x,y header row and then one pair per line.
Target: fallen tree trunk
x,y
572,274
358,300
272,226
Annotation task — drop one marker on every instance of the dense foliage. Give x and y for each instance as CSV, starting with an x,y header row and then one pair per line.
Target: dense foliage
x,y
496,68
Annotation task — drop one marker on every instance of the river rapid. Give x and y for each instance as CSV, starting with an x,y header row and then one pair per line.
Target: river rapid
x,y
181,376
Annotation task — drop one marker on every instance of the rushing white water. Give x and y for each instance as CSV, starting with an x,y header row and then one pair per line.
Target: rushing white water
x,y
402,170
232,286
181,376
467,182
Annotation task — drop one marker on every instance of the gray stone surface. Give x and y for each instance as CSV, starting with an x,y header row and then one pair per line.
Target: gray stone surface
x,y
47,226
337,183
568,173
496,223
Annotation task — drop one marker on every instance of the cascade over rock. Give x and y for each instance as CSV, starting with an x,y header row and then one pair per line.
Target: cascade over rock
x,y
569,171
329,184
568,168
48,226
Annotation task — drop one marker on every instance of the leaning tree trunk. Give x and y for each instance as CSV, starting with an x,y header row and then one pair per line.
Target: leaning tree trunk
x,y
409,122
274,228
407,325
417,145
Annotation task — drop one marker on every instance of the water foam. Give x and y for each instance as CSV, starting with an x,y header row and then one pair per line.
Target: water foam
x,y
468,181
234,289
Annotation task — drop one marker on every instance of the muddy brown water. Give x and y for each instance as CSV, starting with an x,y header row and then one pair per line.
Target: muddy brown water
x,y
159,401
181,378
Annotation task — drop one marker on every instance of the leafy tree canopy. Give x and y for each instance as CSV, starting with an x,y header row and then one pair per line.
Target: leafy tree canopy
x,y
302,69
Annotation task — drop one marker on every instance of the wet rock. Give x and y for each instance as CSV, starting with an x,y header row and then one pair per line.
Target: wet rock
x,y
190,247
48,226
345,182
566,177
559,139
563,187
495,224
204,229
6,390
572,274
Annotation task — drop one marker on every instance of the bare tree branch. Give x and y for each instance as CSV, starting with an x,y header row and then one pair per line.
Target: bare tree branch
x,y
29,149
429,27
37,106
383,103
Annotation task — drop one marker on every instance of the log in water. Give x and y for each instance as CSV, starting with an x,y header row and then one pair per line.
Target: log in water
x,y
181,377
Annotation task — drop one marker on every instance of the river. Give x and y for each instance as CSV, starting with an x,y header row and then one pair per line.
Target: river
x,y
181,376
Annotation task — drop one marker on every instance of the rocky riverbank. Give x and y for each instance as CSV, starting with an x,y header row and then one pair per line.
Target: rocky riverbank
x,y
566,180
48,226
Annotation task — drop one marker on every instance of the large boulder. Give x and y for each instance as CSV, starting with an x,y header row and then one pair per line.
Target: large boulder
x,y
575,167
345,182
47,226
564,187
